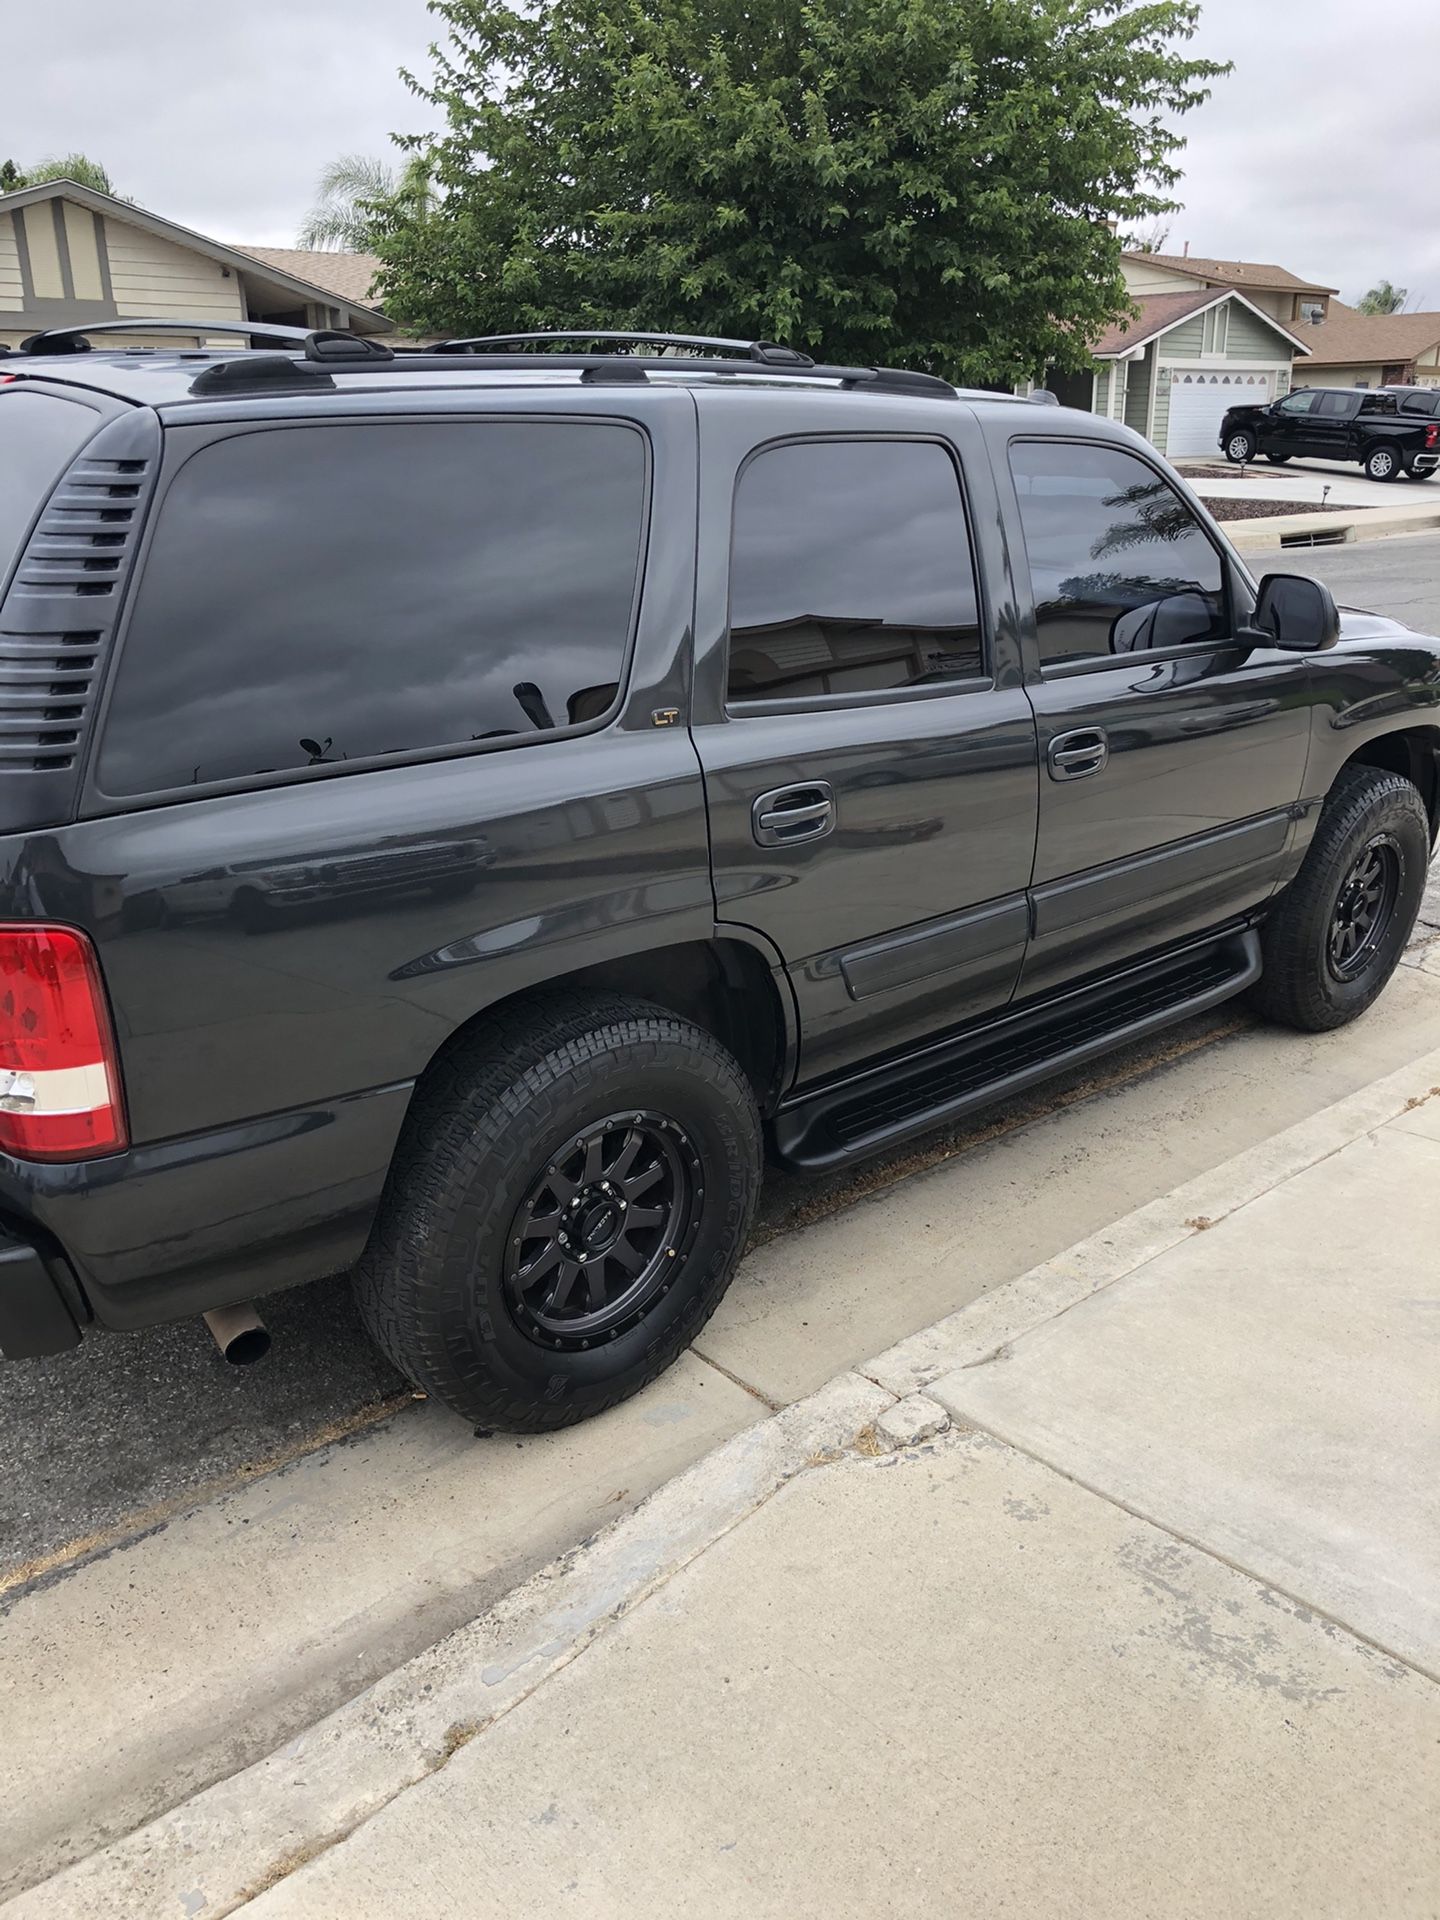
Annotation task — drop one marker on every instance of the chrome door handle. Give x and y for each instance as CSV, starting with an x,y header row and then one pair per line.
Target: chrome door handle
x,y
1070,756
787,814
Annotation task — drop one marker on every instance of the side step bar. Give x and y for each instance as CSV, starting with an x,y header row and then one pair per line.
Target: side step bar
x,y
945,1081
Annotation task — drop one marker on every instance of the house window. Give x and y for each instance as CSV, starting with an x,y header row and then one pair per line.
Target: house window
x,y
1215,336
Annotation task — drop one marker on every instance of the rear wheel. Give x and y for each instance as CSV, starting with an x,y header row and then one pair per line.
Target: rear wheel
x,y
1382,463
1423,473
1240,447
1337,933
1277,459
565,1212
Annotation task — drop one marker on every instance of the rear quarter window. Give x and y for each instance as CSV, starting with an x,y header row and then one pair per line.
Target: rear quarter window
x,y
40,434
322,594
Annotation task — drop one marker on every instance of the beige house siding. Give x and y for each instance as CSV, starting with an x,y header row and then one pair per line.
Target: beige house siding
x,y
1143,278
12,294
1356,376
43,247
153,276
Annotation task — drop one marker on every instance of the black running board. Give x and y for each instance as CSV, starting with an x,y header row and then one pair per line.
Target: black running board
x,y
950,1078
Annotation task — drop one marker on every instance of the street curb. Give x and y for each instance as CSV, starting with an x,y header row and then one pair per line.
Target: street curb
x,y
1364,523
216,1851
983,1330
224,1846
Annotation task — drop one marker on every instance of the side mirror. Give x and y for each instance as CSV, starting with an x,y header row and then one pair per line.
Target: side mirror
x,y
1294,612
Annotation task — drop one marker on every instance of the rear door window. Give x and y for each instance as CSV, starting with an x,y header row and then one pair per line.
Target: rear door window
x,y
1337,406
40,434
850,573
321,594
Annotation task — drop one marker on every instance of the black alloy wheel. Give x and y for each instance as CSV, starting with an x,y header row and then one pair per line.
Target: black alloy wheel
x,y
1363,907
595,1243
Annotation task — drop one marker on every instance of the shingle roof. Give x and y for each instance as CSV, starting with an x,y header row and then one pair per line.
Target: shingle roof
x,y
1349,337
347,275
1157,312
1245,274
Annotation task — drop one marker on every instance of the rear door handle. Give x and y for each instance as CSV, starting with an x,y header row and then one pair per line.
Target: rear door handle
x,y
785,815
1072,755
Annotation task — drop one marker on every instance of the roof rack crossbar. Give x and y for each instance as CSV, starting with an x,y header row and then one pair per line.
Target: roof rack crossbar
x,y
764,352
318,343
72,339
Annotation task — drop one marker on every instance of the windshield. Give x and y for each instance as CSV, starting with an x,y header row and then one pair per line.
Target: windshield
x,y
40,433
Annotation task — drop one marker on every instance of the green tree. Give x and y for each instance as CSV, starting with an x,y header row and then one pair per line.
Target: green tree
x,y
10,176
1383,298
69,166
938,182
356,191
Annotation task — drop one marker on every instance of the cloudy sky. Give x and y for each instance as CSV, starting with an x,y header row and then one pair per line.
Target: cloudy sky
x,y
1321,151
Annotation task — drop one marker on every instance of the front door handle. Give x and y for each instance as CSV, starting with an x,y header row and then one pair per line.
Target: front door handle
x,y
785,815
1072,755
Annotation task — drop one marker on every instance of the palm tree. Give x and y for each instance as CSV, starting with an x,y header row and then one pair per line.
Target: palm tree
x,y
353,192
69,166
1383,298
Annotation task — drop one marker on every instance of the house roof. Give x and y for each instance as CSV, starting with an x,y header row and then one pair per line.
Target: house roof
x,y
1253,274
1349,337
347,274
1159,312
237,259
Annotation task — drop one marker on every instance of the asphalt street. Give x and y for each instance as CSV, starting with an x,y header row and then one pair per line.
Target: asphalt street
x,y
126,1430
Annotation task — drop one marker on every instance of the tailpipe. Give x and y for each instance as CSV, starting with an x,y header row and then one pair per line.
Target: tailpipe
x,y
240,1334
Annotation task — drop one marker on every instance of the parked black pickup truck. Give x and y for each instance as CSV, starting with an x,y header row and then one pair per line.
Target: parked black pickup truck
x,y
461,809
1382,429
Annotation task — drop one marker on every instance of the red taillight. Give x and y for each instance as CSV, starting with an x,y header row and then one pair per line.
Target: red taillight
x,y
59,1077
1432,436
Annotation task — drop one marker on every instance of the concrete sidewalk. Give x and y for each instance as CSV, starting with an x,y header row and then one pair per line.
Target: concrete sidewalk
x,y
1114,1593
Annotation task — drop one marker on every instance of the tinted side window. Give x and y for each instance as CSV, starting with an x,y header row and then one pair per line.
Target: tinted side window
x,y
1416,403
1297,402
1337,406
319,594
1118,561
40,435
850,572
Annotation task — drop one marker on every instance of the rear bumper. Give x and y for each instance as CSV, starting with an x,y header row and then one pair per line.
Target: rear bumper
x,y
174,1228
1424,462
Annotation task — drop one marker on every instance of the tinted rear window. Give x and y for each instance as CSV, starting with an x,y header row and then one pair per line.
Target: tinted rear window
x,y
40,435
328,593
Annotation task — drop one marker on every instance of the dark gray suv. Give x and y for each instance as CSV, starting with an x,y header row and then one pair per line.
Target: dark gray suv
x,y
460,810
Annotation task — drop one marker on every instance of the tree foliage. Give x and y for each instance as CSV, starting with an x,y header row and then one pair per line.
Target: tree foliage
x,y
938,182
1383,298
78,167
354,194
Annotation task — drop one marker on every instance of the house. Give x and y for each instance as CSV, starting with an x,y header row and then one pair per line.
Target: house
x,y
1294,302
1353,349
69,255
1206,335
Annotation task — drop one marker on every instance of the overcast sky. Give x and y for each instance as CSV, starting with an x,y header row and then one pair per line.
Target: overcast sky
x,y
1321,151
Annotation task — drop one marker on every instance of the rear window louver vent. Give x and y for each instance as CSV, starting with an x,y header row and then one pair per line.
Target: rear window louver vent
x,y
58,617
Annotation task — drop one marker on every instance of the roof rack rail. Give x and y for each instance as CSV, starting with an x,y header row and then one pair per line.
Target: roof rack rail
x,y
764,352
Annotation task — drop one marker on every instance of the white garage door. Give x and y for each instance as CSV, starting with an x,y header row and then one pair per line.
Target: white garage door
x,y
1198,399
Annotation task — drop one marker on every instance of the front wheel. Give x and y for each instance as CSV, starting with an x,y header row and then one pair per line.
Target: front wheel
x,y
1381,463
1337,933
567,1207
1240,447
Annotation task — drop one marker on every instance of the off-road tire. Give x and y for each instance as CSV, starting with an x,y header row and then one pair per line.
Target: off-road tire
x,y
1299,986
486,1118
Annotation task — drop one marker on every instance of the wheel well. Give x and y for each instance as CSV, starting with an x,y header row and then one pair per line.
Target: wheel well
x,y
722,985
1415,754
